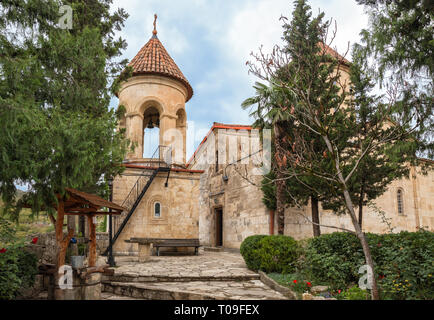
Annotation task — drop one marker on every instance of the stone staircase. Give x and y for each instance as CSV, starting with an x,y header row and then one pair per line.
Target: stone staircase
x,y
209,276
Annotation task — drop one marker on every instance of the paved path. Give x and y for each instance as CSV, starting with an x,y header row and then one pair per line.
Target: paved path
x,y
211,275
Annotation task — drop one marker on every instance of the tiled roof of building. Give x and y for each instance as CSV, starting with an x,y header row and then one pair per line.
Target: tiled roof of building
x,y
154,59
333,53
217,125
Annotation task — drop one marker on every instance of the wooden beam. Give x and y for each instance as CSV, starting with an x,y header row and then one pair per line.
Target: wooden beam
x,y
102,269
98,213
92,242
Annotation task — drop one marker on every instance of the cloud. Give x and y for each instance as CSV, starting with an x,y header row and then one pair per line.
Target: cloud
x,y
211,40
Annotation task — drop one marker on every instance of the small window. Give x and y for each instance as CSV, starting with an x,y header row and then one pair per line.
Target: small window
x,y
157,210
400,202
216,161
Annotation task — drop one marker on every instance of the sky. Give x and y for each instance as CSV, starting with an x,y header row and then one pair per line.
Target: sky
x,y
211,40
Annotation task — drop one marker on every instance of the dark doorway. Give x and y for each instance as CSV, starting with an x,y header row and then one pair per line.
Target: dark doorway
x,y
219,227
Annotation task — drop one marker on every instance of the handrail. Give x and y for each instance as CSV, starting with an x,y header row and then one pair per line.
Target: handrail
x,y
163,153
163,156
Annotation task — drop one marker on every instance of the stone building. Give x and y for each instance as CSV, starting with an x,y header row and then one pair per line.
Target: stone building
x,y
159,192
231,207
215,196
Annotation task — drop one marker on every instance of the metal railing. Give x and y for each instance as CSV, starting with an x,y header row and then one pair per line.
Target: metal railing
x,y
160,159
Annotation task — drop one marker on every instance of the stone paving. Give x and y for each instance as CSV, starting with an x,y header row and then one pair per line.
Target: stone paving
x,y
207,265
210,275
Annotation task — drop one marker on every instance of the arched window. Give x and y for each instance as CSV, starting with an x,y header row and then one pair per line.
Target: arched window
x,y
400,201
151,131
157,210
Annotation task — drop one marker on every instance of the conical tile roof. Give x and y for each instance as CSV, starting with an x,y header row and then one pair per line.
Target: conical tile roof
x,y
154,59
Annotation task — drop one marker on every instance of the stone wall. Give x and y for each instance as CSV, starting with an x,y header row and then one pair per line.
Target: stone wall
x,y
45,249
244,214
243,211
239,199
418,195
179,208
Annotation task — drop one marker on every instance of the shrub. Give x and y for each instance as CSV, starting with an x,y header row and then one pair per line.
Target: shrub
x,y
10,282
405,265
18,267
353,293
270,253
403,262
334,259
249,250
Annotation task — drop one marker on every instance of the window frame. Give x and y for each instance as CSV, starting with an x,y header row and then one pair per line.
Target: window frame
x,y
154,211
400,202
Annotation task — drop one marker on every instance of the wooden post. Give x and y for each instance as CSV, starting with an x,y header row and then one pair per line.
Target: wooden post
x,y
92,241
271,221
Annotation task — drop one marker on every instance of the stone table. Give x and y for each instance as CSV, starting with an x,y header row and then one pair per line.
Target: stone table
x,y
144,247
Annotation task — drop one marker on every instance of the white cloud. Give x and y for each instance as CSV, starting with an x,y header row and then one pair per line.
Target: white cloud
x,y
232,29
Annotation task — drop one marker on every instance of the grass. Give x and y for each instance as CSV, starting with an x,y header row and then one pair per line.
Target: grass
x,y
29,225
295,281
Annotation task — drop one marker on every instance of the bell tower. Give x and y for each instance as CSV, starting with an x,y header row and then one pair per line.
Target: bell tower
x,y
155,97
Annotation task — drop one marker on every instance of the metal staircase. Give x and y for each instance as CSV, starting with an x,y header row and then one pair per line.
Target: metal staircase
x,y
159,162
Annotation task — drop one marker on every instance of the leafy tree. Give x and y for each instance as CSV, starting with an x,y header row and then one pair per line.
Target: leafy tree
x,y
306,66
378,169
271,113
57,130
302,35
400,39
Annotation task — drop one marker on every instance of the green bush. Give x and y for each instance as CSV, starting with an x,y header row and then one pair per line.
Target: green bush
x,y
18,267
334,259
406,265
403,262
270,253
249,249
10,282
353,293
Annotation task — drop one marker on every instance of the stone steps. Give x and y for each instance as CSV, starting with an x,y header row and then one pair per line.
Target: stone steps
x,y
197,290
164,278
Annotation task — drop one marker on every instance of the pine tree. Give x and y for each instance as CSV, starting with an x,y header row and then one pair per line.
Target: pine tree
x,y
57,129
316,103
399,40
376,170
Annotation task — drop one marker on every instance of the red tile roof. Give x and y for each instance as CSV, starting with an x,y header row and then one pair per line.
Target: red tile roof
x,y
217,125
154,59
333,53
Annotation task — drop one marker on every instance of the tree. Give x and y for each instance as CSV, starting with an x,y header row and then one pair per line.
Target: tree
x,y
308,66
270,112
55,89
298,189
400,41
376,170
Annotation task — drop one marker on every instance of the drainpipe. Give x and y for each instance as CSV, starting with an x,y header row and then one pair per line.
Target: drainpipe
x,y
111,260
271,222
415,198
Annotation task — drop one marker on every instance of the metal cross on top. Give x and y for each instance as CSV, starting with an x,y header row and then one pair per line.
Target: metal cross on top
x,y
155,25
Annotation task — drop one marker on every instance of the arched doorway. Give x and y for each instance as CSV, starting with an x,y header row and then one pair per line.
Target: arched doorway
x,y
151,131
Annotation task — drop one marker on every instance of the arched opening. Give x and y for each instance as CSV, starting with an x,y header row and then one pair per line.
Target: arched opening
x,y
151,131
157,210
181,126
400,202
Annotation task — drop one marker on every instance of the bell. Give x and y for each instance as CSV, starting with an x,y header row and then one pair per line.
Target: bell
x,y
150,125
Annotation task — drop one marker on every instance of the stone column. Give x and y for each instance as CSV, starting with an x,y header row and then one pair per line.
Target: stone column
x,y
170,136
134,132
183,129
